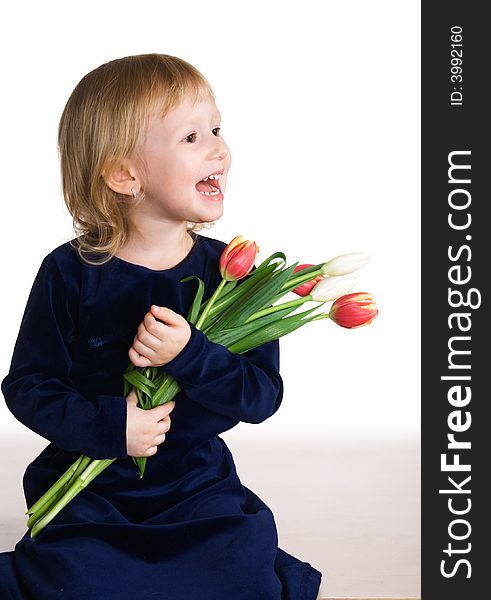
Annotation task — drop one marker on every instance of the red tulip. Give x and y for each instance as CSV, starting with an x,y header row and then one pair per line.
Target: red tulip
x,y
238,258
353,310
305,288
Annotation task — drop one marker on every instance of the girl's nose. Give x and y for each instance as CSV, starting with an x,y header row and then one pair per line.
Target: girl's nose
x,y
219,150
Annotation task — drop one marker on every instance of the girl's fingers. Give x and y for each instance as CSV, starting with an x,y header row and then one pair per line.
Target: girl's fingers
x,y
142,348
165,424
162,411
151,325
164,314
136,359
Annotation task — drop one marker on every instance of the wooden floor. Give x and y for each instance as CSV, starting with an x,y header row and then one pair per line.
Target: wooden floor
x,y
349,507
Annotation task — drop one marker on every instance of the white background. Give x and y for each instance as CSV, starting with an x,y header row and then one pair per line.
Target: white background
x,y
320,109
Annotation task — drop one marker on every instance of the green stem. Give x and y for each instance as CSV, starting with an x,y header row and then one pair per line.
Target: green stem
x,y
321,316
293,283
224,299
222,304
272,309
91,472
54,488
210,303
57,491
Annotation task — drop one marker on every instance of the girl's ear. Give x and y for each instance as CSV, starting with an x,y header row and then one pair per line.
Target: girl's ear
x,y
122,177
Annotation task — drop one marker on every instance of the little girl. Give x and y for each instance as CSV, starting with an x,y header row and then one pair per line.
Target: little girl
x,y
143,164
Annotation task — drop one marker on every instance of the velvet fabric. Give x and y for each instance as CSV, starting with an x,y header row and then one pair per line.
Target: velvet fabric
x,y
189,530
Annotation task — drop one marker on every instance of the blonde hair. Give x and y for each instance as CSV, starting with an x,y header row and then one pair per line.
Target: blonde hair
x,y
101,124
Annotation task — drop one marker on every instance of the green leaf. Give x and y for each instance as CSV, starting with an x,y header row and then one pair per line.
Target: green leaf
x,y
268,260
227,288
288,287
165,392
307,270
243,286
255,299
227,337
243,290
139,381
142,402
140,462
272,332
194,310
247,289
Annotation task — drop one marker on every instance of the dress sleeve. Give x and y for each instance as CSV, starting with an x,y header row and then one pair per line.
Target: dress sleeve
x,y
38,390
246,387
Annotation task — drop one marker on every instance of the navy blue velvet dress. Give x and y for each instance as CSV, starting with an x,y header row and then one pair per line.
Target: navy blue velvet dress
x,y
189,530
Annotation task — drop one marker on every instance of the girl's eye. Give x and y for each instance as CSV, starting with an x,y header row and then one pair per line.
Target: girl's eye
x,y
217,129
189,136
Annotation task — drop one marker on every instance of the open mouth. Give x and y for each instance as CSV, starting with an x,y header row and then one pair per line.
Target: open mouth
x,y
209,186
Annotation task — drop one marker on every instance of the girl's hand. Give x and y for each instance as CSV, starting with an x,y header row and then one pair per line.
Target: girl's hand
x,y
145,429
157,343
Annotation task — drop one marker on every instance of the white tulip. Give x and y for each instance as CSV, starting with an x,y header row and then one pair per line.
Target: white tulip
x,y
346,263
332,288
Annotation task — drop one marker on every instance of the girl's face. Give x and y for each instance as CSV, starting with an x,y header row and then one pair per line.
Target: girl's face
x,y
179,151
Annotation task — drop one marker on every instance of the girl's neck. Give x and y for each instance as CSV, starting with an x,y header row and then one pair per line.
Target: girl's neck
x,y
162,253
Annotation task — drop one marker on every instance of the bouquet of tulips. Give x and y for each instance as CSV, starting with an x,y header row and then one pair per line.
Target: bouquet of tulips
x,y
240,317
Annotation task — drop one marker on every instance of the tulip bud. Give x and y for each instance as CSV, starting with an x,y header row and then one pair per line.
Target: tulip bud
x,y
345,263
354,310
331,288
238,258
304,288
